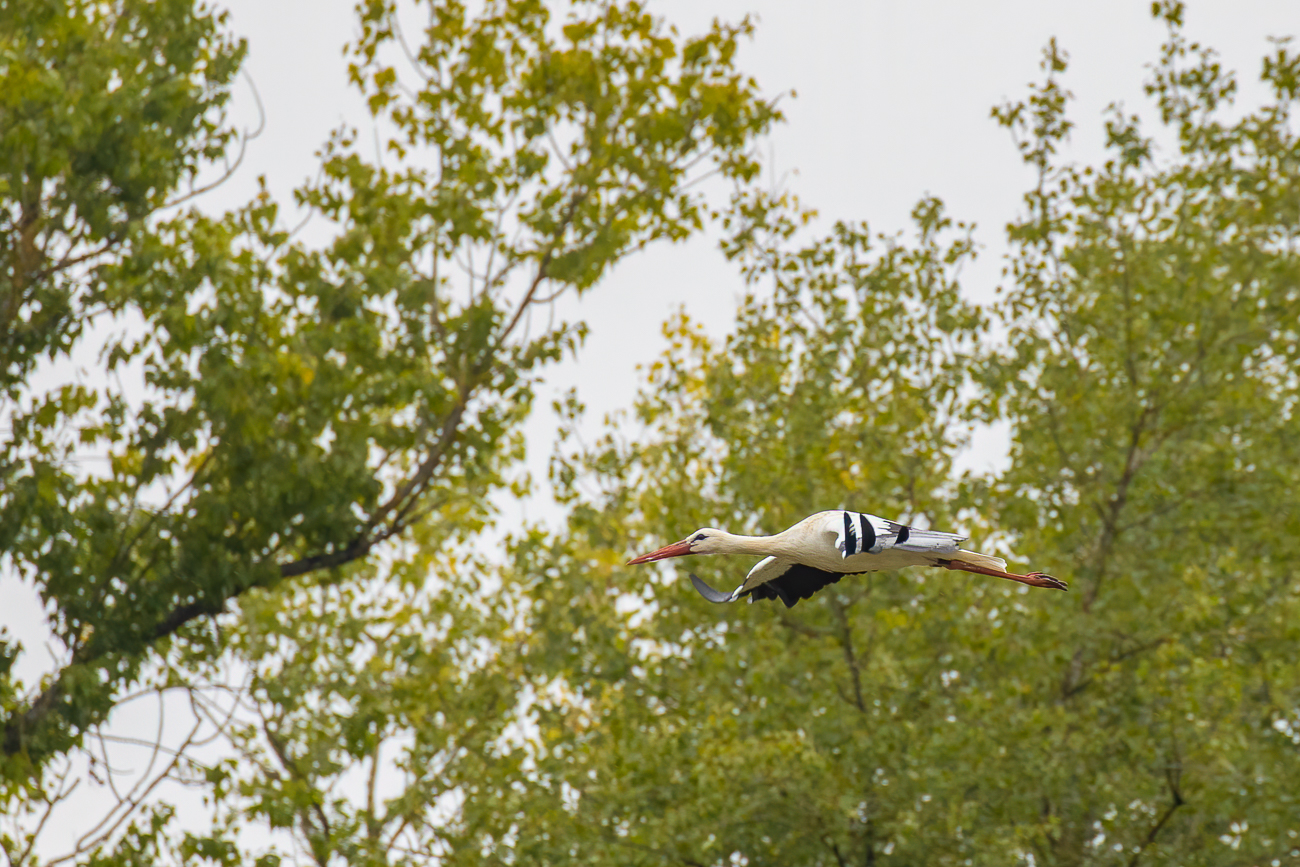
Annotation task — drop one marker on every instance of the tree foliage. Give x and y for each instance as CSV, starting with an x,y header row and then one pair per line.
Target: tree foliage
x,y
269,408
435,700
104,110
1147,374
1150,379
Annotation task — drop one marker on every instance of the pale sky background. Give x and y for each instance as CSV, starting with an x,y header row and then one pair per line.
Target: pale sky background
x,y
893,104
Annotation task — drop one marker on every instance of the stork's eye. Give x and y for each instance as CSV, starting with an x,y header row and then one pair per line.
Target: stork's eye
x,y
700,537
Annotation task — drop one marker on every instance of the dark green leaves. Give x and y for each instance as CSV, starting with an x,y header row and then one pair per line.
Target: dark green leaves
x,y
268,409
105,110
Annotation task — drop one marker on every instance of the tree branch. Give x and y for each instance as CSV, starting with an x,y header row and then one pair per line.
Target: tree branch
x,y
1160,823
14,737
1110,529
291,767
850,659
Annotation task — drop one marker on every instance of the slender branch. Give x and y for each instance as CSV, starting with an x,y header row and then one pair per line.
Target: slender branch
x,y
109,776
124,546
802,628
93,833
416,64
1074,685
373,826
835,850
1160,823
50,803
69,261
567,220
136,797
292,768
1110,529
231,168
406,495
850,659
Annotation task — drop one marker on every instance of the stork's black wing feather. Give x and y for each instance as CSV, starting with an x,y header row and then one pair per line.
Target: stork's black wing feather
x,y
797,582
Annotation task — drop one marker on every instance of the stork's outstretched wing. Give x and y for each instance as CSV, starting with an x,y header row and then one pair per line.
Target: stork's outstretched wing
x,y
773,578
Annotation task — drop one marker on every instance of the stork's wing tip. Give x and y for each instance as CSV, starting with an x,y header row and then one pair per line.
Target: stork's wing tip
x,y
709,593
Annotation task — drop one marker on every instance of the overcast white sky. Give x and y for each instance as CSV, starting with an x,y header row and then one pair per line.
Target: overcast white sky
x,y
893,103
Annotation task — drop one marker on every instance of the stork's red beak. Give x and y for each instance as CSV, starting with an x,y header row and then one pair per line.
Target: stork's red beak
x,y
676,549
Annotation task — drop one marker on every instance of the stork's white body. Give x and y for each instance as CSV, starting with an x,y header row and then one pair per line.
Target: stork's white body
x,y
824,547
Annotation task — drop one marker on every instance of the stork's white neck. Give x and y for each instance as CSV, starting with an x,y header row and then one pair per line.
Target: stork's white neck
x,y
730,543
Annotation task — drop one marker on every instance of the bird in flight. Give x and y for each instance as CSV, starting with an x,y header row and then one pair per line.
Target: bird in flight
x,y
823,548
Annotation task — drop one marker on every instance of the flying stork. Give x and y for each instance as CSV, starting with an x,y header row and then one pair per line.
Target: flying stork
x,y
823,548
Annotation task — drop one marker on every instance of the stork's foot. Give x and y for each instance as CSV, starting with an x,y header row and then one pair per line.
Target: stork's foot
x,y
1033,579
1038,579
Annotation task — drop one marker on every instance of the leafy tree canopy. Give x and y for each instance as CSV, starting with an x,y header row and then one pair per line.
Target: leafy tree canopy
x,y
1148,375
425,702
267,409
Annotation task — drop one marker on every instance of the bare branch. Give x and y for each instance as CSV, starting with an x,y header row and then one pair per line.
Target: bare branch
x,y
231,168
138,795
50,803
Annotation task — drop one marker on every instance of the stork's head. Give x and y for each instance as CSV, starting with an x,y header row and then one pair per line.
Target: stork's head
x,y
704,541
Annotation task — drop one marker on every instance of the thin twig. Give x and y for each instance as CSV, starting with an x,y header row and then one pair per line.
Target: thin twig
x,y
239,158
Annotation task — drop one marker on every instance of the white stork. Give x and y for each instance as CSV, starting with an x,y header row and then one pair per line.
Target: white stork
x,y
823,548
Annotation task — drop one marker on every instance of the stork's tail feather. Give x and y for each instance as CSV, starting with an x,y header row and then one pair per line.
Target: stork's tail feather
x,y
976,559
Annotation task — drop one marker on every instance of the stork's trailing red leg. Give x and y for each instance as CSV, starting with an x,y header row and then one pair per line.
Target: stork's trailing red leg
x,y
1033,579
